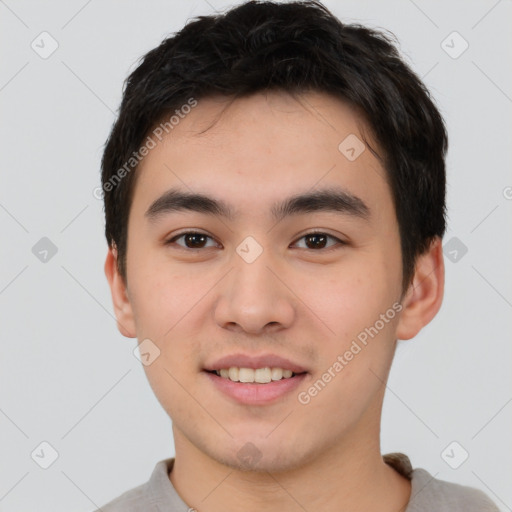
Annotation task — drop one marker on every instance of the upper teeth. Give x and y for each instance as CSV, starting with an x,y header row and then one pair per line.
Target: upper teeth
x,y
260,375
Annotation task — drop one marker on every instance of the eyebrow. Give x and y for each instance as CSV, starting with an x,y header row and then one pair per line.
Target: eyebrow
x,y
325,200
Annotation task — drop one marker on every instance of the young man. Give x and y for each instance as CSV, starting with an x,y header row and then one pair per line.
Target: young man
x,y
275,204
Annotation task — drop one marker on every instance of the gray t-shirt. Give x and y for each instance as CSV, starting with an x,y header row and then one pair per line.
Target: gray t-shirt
x,y
427,493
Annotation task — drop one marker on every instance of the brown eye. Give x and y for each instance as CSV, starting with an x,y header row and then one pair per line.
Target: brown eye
x,y
191,240
317,241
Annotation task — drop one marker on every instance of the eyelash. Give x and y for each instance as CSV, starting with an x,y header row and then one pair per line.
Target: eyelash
x,y
180,235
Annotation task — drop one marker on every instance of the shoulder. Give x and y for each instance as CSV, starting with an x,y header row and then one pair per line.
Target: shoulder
x,y
428,491
156,493
133,500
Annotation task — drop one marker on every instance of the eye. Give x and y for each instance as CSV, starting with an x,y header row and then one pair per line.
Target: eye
x,y
191,239
318,240
196,240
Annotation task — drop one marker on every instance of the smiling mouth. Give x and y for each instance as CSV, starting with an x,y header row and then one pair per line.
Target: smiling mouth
x,y
254,376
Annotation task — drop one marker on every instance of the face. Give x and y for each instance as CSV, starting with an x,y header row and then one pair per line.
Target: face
x,y
316,283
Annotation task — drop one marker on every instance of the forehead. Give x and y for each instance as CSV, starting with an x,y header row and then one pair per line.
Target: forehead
x,y
262,147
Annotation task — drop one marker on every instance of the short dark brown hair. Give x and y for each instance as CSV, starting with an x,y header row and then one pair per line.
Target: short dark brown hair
x,y
294,47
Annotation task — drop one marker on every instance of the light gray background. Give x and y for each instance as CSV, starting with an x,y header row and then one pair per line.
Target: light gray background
x,y
69,378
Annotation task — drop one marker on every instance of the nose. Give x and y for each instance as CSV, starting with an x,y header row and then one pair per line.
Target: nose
x,y
255,298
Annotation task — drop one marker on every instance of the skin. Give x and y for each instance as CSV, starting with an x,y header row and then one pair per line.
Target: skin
x,y
303,303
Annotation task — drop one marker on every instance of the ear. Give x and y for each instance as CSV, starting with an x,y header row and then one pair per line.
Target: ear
x,y
122,305
425,294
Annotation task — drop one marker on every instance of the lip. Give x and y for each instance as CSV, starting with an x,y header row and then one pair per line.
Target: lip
x,y
252,393
255,362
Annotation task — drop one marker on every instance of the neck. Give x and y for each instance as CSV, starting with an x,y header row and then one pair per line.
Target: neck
x,y
349,476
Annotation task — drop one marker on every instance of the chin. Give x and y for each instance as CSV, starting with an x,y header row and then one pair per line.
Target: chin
x,y
261,456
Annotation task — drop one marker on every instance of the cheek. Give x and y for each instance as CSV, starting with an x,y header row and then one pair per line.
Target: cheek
x,y
357,307
168,308
358,348
348,299
161,294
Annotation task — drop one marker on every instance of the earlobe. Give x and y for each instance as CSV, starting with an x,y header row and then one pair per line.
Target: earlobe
x,y
425,294
122,306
